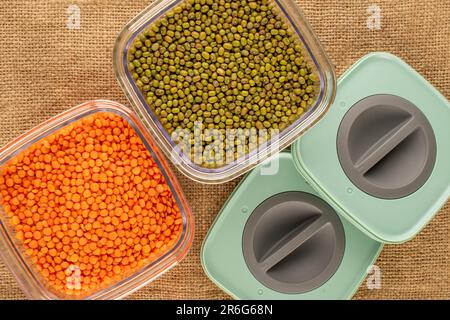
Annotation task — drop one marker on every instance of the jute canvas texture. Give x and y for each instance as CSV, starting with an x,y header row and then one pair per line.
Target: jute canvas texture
x,y
46,68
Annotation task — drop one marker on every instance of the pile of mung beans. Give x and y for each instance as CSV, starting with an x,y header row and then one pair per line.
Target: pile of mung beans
x,y
224,64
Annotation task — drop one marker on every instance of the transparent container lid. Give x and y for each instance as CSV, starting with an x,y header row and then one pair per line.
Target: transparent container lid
x,y
12,250
241,163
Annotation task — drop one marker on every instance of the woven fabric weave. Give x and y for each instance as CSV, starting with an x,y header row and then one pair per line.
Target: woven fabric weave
x,y
46,68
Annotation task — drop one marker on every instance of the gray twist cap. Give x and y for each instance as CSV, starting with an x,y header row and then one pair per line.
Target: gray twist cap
x,y
386,146
293,242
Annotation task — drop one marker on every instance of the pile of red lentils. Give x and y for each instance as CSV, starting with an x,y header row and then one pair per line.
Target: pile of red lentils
x,y
89,205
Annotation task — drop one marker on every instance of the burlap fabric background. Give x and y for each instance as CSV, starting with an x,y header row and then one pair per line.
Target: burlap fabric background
x,y
46,68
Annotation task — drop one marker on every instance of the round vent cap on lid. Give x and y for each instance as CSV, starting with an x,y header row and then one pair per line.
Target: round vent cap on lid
x,y
386,146
293,242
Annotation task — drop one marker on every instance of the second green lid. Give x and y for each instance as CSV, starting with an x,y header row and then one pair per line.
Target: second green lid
x,y
380,155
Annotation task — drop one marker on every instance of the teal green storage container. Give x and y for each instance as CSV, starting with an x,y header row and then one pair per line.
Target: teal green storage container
x,y
275,238
380,156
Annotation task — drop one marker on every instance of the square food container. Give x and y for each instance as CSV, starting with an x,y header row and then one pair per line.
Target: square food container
x,y
312,51
11,251
284,240
382,161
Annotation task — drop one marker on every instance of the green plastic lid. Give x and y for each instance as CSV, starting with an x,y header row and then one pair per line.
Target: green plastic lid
x,y
275,238
380,156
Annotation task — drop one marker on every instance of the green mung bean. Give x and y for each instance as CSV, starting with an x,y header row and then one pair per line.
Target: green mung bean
x,y
230,64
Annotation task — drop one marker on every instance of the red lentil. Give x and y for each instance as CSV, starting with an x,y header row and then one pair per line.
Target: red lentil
x,y
89,201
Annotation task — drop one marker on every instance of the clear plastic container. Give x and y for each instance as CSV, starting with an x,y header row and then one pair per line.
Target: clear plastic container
x,y
11,251
312,51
